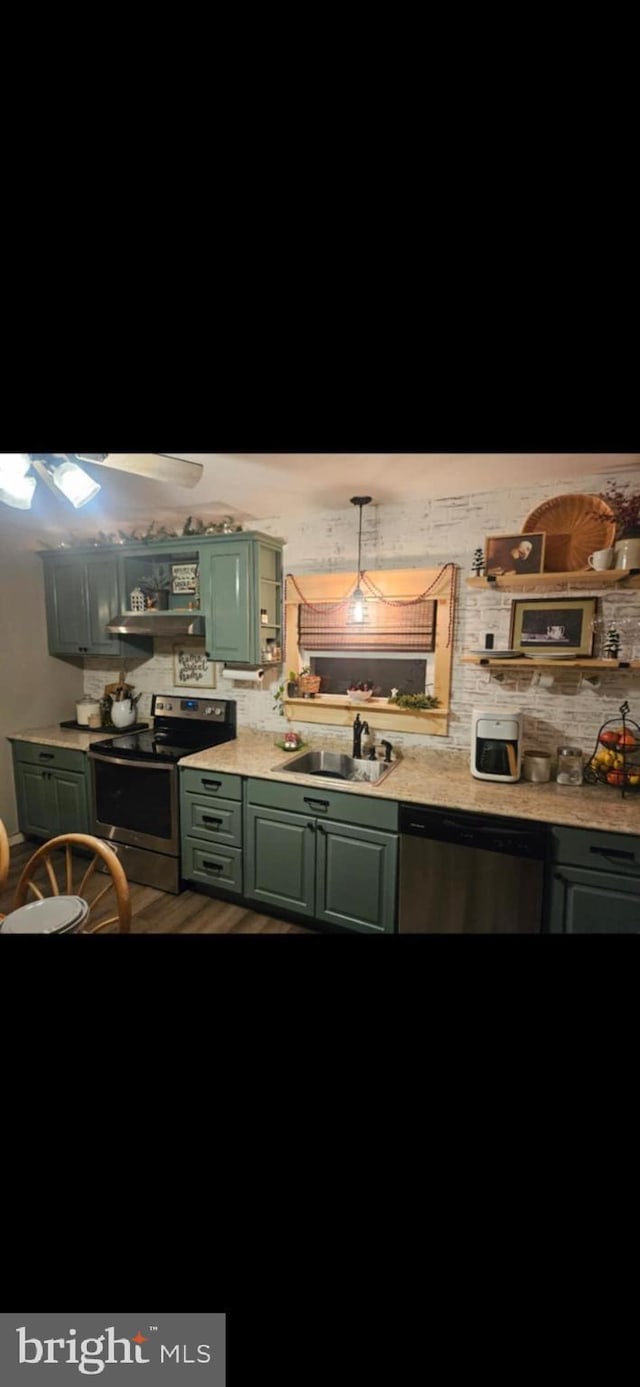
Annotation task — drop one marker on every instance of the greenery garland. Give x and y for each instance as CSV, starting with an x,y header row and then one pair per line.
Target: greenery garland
x,y
415,701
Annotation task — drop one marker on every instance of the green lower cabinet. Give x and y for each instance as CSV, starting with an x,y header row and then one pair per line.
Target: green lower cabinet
x,y
588,902
331,872
51,801
356,877
280,859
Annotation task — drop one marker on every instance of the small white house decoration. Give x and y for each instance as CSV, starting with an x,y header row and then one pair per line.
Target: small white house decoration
x,y
137,600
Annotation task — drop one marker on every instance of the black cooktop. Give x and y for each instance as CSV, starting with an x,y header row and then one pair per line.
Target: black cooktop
x,y
153,746
182,725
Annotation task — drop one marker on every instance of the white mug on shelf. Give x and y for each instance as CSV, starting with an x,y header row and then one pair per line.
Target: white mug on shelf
x,y
601,558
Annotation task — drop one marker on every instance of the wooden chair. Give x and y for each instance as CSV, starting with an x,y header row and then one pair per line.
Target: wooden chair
x,y
79,878
4,858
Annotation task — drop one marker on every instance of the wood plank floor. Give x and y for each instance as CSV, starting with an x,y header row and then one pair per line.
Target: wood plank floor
x,y
156,912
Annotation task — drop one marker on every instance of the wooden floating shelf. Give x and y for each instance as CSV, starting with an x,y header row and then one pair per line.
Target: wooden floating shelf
x,y
583,578
535,663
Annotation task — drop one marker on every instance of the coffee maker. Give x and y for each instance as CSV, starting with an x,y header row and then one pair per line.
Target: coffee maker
x,y
496,744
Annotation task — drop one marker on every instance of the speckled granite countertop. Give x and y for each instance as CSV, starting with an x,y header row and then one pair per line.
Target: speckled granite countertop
x,y
67,737
442,779
438,778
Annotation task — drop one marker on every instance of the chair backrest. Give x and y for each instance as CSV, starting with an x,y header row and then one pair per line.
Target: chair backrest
x,y
4,858
79,879
4,855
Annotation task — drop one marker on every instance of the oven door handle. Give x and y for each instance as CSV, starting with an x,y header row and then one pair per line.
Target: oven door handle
x,y
122,761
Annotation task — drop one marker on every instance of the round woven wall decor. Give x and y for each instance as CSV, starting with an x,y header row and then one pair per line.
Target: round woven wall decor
x,y
575,525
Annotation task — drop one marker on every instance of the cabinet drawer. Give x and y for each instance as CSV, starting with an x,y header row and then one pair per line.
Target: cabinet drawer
x,y
603,852
214,865
211,783
50,757
320,802
220,822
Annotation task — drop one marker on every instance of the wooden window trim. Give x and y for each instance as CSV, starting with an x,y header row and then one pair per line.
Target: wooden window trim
x,y
335,710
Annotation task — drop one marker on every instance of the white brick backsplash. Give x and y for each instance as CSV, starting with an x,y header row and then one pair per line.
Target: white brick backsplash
x,y
422,536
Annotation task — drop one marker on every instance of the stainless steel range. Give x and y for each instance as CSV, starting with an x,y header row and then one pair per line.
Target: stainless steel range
x,y
134,779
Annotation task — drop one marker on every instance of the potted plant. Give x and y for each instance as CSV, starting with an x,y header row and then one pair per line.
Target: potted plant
x,y
625,505
156,587
626,508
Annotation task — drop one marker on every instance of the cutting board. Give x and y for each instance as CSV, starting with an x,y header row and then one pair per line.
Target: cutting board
x,y
119,690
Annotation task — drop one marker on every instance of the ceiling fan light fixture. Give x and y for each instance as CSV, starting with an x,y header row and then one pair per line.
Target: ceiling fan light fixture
x,y
75,484
16,488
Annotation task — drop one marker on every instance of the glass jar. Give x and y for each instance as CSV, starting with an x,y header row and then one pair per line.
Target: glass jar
x,y
569,765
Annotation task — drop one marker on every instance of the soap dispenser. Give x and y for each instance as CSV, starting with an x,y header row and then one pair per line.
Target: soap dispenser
x,y
367,743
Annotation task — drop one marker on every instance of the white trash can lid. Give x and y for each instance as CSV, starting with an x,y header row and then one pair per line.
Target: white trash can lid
x,y
54,915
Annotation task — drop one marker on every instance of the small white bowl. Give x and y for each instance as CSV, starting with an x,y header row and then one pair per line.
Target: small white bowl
x,y
359,695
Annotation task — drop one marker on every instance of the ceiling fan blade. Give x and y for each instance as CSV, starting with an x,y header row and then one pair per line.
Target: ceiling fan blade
x,y
159,467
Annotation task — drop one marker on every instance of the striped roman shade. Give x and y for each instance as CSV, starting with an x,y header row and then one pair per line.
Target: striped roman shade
x,y
389,626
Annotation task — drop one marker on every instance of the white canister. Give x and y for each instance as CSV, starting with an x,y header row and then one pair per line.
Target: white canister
x,y
627,553
87,710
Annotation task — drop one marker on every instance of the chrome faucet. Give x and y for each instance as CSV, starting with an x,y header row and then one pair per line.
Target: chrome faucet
x,y
358,729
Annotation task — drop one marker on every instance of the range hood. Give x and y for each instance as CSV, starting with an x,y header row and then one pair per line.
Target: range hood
x,y
162,624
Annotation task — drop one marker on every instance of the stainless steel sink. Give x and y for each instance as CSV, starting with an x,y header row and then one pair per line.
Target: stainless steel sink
x,y
333,765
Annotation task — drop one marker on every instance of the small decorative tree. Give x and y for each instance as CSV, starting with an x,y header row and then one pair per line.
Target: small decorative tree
x,y
477,566
612,644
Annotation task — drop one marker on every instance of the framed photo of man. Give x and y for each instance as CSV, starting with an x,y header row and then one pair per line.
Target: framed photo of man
x,y
507,554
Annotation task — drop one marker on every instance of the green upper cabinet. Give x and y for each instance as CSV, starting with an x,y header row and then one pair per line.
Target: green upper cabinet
x,y
239,578
82,594
226,600
236,579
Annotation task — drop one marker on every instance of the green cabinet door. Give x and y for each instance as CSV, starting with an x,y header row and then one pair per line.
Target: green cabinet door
x,y
356,877
81,596
36,807
587,902
66,601
279,856
102,605
227,600
51,801
71,802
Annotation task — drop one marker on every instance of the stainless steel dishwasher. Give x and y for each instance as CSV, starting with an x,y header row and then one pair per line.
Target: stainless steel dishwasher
x,y
463,873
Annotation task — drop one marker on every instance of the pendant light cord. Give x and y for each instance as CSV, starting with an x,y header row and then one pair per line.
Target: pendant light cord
x,y
359,546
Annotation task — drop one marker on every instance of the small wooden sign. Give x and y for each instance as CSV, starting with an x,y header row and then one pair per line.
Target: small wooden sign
x,y
191,667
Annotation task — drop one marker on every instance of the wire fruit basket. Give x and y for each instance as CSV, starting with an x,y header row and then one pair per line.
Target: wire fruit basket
x,y
616,756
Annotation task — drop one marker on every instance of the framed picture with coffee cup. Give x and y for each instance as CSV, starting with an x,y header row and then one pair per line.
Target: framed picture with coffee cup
x,y
514,554
551,629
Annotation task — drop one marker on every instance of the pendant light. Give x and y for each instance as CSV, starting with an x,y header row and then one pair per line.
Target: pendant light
x,y
357,611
